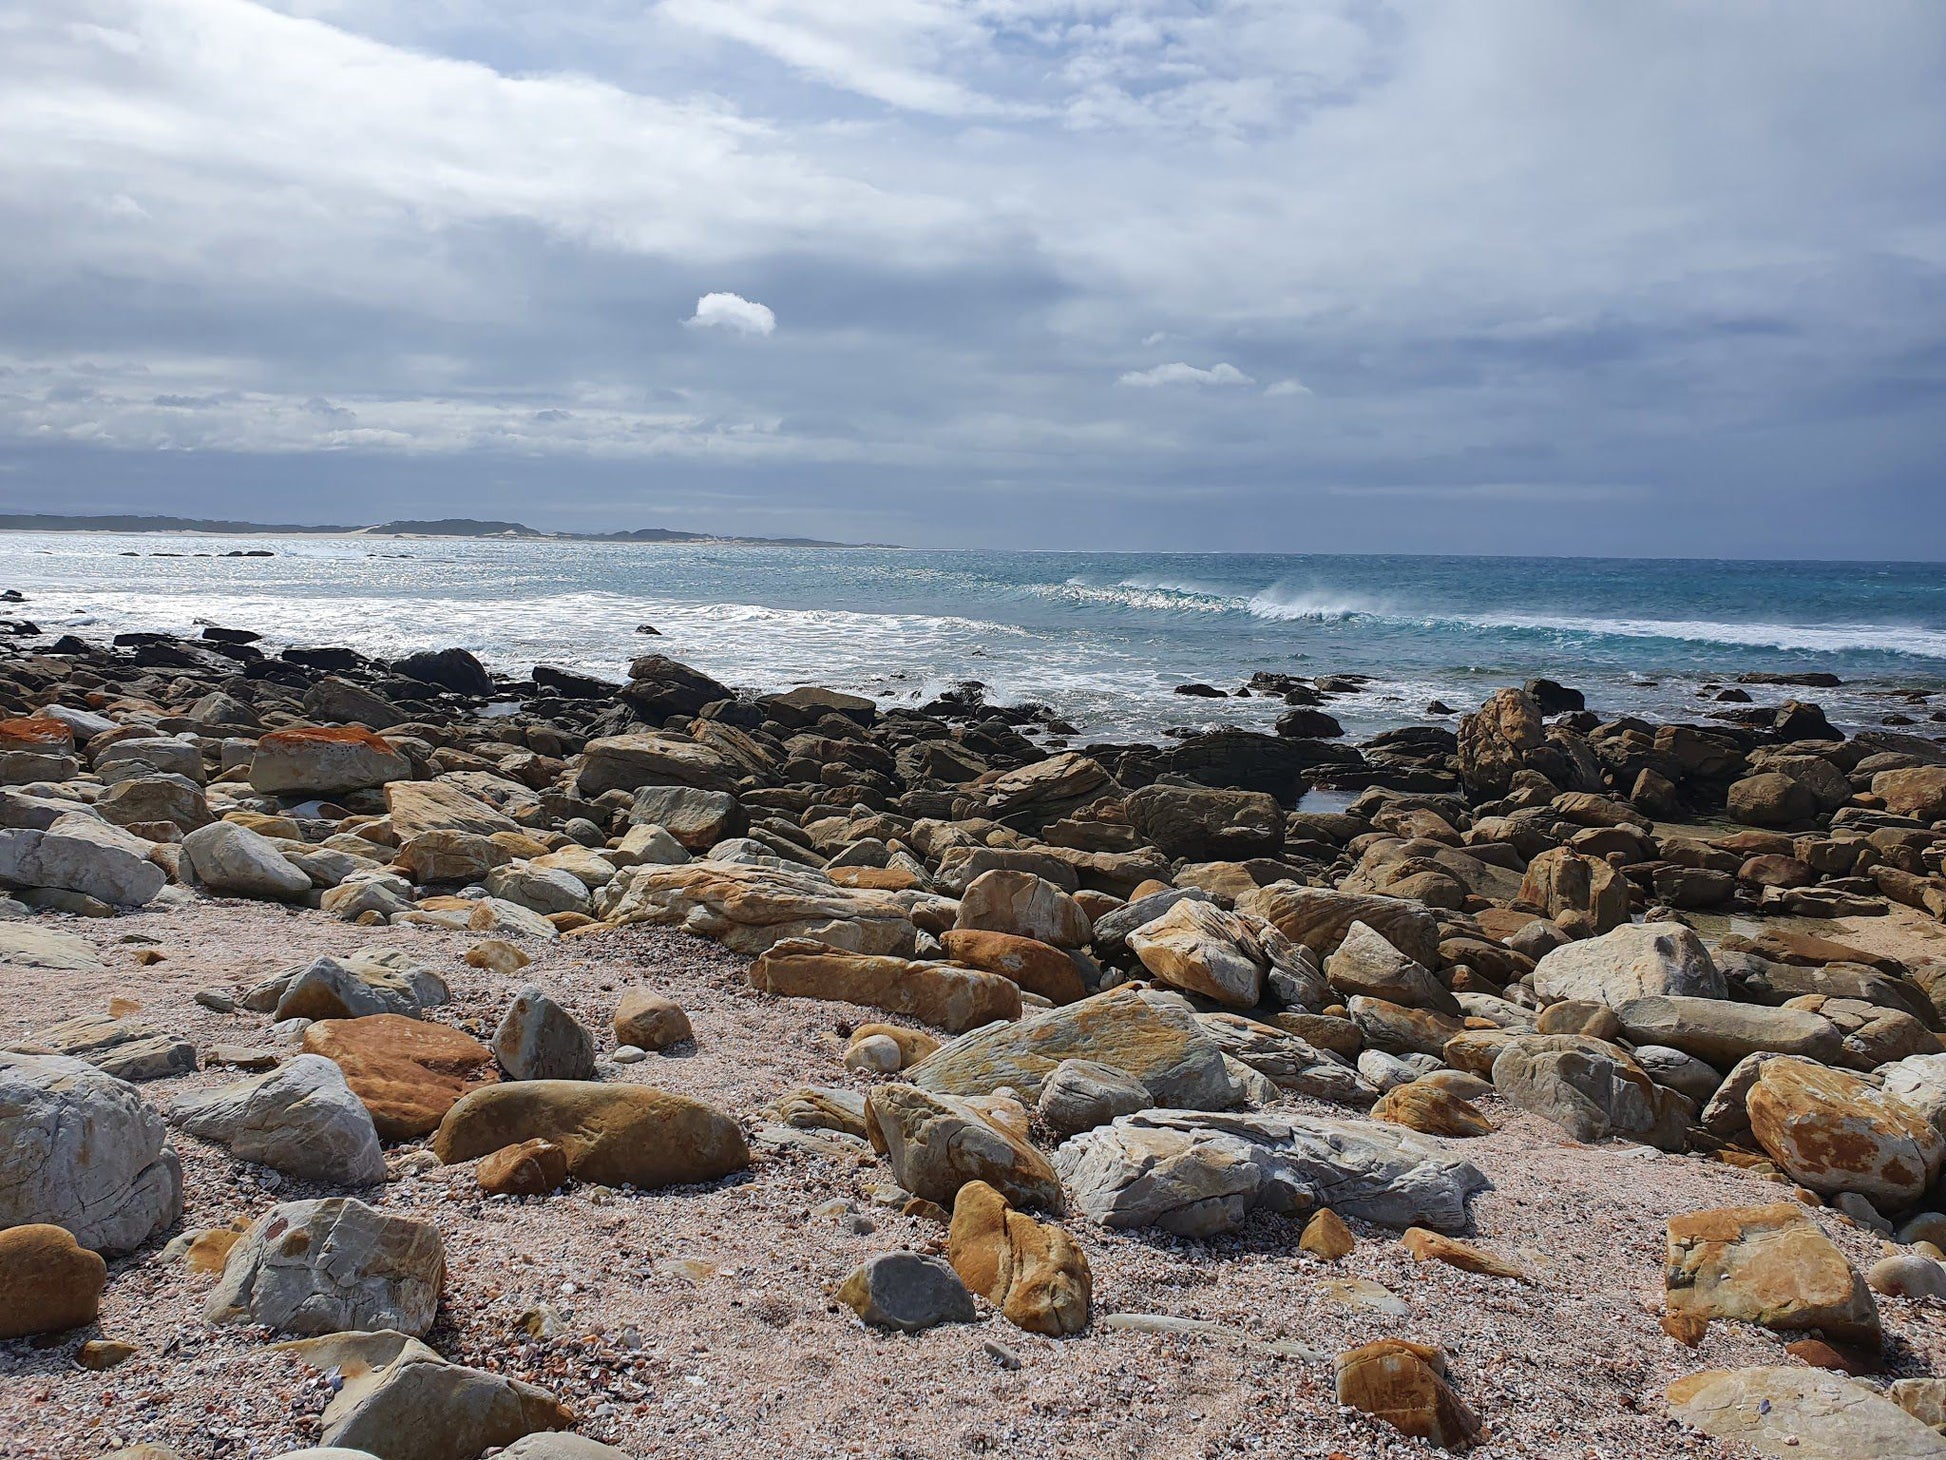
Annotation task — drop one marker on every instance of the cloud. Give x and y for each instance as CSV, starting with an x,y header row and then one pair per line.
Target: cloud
x,y
1287,387
732,312
1177,372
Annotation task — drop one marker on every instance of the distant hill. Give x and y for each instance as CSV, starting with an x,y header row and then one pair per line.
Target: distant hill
x,y
432,527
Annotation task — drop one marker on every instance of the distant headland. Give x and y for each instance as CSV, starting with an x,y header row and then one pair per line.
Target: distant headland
x,y
437,527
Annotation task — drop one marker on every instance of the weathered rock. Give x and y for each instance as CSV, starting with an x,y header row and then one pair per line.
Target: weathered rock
x,y
1431,1111
1082,1094
1032,1272
1199,947
1288,1060
1630,962
1562,880
301,1118
418,807
48,1283
128,1049
233,861
1772,799
1025,905
539,1040
407,1072
1318,918
1591,1089
1399,1030
1205,825
1404,1384
1917,791
1428,1246
324,762
612,1134
1908,1275
748,909
953,999
1835,1132
1769,1265
1038,967
935,1144
371,981
906,1292
83,1151
1365,963
1801,1412
1153,1037
23,946
649,1020
630,762
174,799
1723,1032
1198,1174
545,890
697,819
401,1401
1495,742
1326,1237
311,1267
81,853
454,669
532,1168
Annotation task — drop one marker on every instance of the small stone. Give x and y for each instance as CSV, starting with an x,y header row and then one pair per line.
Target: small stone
x,y
539,1040
629,1054
907,1292
1326,1236
1429,1246
497,955
532,1168
1404,1384
1908,1276
650,1020
875,1054
217,1001
104,1353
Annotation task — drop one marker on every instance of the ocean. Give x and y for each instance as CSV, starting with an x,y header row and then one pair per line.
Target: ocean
x,y
1103,638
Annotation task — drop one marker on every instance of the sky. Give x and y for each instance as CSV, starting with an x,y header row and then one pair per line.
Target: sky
x,y
1665,277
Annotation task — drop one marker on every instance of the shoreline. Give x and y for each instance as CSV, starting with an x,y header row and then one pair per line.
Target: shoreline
x,y
182,819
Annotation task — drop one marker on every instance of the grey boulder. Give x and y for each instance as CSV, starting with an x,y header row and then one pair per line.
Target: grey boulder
x,y
311,1267
1630,962
539,1040
82,853
301,1118
234,861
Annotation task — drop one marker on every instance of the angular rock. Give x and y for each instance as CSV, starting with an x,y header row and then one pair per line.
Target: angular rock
x,y
749,909
1032,1272
949,998
935,1144
83,1151
532,1168
232,861
1318,918
1591,1089
1835,1132
1431,1111
697,819
371,981
1801,1412
312,1267
630,762
324,762
1205,825
1026,906
1198,1174
1038,967
613,1134
1630,962
301,1119
407,1072
82,853
128,1049
1082,1094
1404,1384
418,807
1199,947
1769,1265
1152,1037
1365,963
539,1040
906,1292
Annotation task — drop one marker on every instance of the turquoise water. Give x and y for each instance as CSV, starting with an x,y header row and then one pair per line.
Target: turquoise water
x,y
1103,638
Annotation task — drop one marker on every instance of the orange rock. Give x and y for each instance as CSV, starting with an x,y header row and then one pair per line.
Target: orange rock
x,y
649,1020
409,1072
1435,1112
1038,967
873,879
48,1283
1404,1384
1430,1246
532,1168
1769,1265
211,1250
1326,1236
1033,1272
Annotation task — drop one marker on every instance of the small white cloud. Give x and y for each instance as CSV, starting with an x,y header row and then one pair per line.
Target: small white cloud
x,y
732,312
1150,341
1287,387
1176,372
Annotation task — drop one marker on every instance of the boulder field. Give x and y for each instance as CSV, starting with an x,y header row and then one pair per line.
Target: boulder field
x,y
1032,1026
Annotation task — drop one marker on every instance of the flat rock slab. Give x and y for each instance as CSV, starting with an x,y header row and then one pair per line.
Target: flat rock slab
x,y
1801,1414
23,946
1197,1174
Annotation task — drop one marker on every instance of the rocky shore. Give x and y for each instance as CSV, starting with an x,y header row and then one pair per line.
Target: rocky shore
x,y
400,1059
